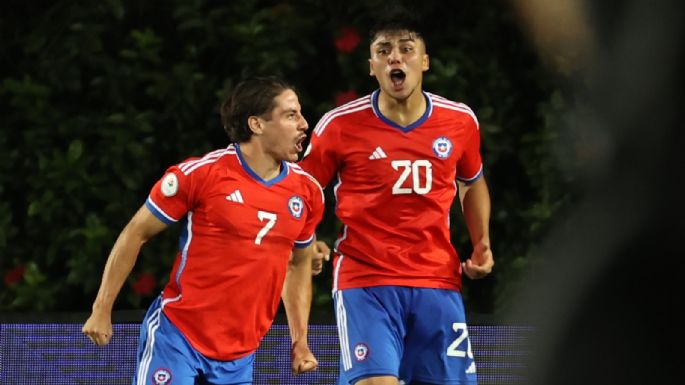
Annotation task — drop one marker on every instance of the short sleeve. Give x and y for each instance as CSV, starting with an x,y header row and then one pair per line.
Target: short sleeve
x,y
470,165
315,209
169,198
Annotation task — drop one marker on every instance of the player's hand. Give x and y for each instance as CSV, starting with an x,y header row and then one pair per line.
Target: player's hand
x,y
481,262
302,359
321,253
98,328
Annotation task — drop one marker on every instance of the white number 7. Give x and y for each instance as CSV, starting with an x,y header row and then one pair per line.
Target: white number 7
x,y
262,215
453,350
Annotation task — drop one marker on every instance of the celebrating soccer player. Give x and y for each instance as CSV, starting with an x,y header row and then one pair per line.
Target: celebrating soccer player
x,y
398,155
243,210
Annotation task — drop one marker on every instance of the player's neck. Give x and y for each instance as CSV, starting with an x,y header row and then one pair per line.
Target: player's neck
x,y
259,161
402,111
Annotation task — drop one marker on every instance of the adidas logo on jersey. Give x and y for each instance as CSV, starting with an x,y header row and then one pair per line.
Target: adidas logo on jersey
x,y
378,153
235,196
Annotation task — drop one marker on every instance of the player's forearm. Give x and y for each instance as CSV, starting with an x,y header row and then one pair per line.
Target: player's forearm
x,y
297,296
120,262
476,208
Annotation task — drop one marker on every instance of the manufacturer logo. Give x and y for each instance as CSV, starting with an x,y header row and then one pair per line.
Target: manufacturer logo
x,y
161,377
296,206
235,196
169,185
442,147
378,153
361,352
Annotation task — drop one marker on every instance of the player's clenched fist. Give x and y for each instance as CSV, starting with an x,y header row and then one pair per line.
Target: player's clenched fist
x,y
302,359
322,253
98,328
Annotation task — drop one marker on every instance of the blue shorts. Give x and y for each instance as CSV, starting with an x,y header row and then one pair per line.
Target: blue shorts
x,y
414,334
166,358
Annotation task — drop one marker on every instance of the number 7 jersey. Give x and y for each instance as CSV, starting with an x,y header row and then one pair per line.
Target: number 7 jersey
x,y
395,187
237,234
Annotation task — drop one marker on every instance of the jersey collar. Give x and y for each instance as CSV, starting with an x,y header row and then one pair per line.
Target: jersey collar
x,y
377,111
246,167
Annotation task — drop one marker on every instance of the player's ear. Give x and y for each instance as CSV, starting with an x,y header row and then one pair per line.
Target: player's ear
x,y
255,125
425,65
371,69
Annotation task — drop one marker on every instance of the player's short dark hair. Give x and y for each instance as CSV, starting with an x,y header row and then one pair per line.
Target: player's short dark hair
x,y
396,18
251,97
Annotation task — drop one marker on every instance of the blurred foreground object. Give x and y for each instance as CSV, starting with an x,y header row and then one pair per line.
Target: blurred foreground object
x,y
604,298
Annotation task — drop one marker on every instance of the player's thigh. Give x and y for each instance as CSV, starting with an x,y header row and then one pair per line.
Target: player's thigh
x,y
437,346
164,356
371,332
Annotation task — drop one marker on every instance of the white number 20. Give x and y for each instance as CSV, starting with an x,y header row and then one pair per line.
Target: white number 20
x,y
412,168
453,349
262,215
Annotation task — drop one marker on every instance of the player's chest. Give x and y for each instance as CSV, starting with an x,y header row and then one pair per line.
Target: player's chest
x,y
388,155
253,210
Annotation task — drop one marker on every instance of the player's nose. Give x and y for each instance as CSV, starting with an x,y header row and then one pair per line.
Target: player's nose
x,y
394,56
303,125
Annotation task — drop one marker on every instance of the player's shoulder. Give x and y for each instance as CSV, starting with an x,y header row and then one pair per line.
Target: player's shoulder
x,y
306,179
451,107
348,110
299,172
206,162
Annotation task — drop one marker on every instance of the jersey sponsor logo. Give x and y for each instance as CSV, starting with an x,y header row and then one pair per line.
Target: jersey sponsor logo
x,y
442,147
235,196
169,185
296,206
361,352
161,377
378,153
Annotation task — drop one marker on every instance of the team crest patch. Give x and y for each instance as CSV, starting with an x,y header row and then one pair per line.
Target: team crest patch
x,y
169,185
296,206
161,377
361,352
442,147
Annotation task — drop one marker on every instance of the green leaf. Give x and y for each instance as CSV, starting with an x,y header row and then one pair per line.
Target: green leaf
x,y
75,150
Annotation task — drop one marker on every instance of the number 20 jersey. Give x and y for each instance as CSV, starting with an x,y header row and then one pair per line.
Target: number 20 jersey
x,y
237,234
395,186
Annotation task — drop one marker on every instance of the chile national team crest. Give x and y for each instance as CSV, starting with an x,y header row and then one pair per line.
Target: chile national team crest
x,y
296,206
161,377
361,352
442,147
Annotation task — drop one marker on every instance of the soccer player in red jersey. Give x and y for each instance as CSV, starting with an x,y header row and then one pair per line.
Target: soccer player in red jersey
x,y
398,155
243,210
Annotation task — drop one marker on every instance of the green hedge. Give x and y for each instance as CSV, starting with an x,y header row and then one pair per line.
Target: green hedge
x,y
98,98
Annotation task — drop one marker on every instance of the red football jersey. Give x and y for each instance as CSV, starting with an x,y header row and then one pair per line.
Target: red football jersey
x,y
395,186
238,232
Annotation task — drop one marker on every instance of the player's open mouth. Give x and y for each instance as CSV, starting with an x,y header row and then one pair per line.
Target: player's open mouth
x,y
397,78
298,144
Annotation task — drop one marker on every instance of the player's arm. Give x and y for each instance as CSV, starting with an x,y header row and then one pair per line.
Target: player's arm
x,y
475,203
143,226
297,300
